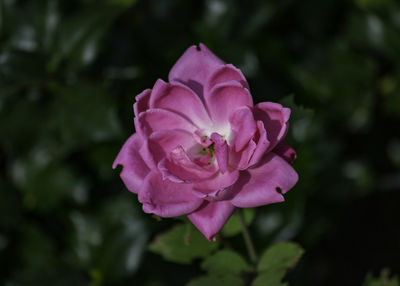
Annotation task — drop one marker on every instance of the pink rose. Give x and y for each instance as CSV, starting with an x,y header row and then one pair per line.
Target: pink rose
x,y
202,148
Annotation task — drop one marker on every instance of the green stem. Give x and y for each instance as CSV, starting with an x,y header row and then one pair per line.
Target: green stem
x,y
247,238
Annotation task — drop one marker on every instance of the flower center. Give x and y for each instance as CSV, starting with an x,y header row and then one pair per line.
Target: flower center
x,y
212,147
210,150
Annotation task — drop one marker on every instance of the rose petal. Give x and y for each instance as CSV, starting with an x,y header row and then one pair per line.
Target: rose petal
x,y
134,169
211,217
258,186
221,151
217,182
284,150
224,99
215,196
225,73
167,199
178,167
160,119
240,160
202,138
161,143
243,127
262,144
180,99
275,118
194,67
142,102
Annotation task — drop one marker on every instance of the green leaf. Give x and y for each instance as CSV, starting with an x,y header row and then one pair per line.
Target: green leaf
x,y
233,226
383,280
282,255
270,278
182,244
217,281
224,262
275,261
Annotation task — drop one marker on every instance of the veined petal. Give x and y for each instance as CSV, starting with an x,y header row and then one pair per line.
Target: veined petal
x,y
180,99
262,144
161,143
243,127
216,196
258,186
240,160
225,73
275,118
211,217
224,99
194,67
178,167
165,198
160,119
217,182
221,151
134,169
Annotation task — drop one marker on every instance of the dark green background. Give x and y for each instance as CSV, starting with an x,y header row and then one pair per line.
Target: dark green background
x,y
69,71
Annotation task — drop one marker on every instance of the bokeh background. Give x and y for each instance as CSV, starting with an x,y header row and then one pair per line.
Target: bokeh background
x,y
69,71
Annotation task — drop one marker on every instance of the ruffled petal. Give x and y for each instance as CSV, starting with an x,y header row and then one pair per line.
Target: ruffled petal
x,y
178,167
194,67
215,196
160,119
240,160
211,189
275,118
262,144
134,169
221,151
225,73
211,217
142,102
243,127
259,186
180,99
165,198
161,143
224,99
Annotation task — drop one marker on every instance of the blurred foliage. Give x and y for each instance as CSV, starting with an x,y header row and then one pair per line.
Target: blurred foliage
x,y
383,280
69,71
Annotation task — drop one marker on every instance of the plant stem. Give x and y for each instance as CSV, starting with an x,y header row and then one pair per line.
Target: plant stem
x,y
247,238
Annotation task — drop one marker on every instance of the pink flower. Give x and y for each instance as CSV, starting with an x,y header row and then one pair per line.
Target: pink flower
x,y
202,148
